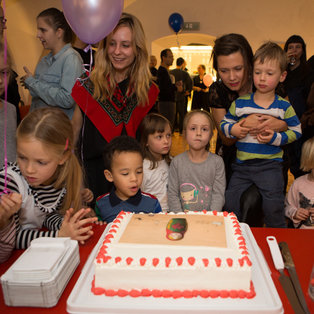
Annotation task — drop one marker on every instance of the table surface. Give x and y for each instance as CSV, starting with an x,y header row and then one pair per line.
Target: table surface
x,y
300,242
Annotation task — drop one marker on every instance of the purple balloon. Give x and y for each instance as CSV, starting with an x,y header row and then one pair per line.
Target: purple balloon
x,y
92,20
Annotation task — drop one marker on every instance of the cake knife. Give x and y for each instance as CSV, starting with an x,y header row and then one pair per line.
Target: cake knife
x,y
283,279
289,264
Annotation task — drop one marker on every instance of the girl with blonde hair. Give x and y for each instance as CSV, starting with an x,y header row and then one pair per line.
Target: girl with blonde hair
x,y
114,99
46,181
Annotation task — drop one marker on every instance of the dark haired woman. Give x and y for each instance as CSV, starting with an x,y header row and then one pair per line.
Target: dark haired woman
x,y
233,62
57,72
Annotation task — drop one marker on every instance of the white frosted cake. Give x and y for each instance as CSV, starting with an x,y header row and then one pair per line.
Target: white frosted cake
x,y
174,255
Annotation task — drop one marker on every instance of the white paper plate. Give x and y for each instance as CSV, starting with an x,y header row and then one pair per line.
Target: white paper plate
x,y
82,300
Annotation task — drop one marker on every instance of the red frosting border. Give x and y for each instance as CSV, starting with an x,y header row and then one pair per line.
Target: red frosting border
x,y
175,294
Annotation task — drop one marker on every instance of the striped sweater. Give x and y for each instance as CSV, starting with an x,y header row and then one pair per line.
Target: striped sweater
x,y
248,147
39,208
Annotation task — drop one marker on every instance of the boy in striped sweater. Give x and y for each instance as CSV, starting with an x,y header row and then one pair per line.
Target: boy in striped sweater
x,y
259,156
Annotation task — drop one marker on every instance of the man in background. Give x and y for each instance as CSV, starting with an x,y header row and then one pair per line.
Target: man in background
x,y
181,98
167,87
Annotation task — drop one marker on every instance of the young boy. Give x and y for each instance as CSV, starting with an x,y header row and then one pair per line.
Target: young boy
x,y
259,157
124,167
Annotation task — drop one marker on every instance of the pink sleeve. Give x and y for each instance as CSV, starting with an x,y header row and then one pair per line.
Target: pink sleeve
x,y
7,240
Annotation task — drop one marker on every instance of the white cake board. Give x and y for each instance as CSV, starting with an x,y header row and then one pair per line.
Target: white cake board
x,y
82,300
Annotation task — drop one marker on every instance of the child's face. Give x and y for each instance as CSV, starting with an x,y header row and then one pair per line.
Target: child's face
x,y
126,173
38,163
267,75
198,132
46,34
160,143
4,71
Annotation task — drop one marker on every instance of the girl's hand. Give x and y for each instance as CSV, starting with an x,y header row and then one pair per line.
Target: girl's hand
x,y
301,214
265,137
9,205
23,78
239,130
74,226
87,195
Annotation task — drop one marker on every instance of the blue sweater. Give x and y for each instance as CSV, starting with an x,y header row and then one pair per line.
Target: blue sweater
x,y
248,147
108,206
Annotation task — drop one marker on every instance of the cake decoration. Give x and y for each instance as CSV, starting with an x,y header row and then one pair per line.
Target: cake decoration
x,y
176,228
211,260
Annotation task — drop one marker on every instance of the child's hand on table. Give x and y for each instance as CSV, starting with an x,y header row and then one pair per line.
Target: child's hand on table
x,y
75,226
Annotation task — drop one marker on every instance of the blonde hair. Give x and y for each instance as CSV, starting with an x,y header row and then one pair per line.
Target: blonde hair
x,y
151,124
139,74
53,128
307,156
205,113
271,51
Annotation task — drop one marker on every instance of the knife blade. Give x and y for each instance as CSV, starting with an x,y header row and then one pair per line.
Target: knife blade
x,y
289,264
283,279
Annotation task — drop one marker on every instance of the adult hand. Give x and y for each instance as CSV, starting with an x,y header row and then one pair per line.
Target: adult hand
x,y
265,137
75,227
9,205
239,130
301,214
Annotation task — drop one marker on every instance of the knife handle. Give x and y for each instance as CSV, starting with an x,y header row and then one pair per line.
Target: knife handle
x,y
275,252
285,252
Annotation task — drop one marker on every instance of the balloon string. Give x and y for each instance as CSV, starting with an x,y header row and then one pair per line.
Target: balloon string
x,y
5,190
177,38
89,47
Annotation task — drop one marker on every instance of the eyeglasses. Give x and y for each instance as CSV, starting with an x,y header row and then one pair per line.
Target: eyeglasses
x,y
3,20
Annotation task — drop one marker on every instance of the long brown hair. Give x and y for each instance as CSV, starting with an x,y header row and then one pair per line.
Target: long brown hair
x,y
139,74
53,128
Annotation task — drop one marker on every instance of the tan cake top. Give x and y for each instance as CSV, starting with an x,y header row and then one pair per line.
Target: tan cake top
x,y
201,230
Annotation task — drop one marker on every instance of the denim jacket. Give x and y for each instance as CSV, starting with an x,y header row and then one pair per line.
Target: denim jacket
x,y
54,78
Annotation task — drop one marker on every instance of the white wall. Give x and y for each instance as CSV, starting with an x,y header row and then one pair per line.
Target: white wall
x,y
257,20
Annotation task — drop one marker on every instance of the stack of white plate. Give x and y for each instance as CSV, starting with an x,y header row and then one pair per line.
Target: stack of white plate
x,y
41,273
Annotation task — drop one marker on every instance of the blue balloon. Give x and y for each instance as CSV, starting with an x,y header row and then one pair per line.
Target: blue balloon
x,y
176,22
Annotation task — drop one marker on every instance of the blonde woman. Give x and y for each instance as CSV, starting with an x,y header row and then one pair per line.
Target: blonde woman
x,y
114,99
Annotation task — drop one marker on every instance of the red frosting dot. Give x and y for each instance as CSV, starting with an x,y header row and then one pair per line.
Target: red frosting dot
x,y
112,230
215,212
129,260
218,261
142,261
204,293
229,261
225,214
122,293
187,294
179,260
156,293
213,294
146,293
205,261
118,259
233,294
241,262
241,294
167,261
106,258
114,226
204,211
110,293
135,293
191,260
176,294
166,293
155,261
224,294
109,236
